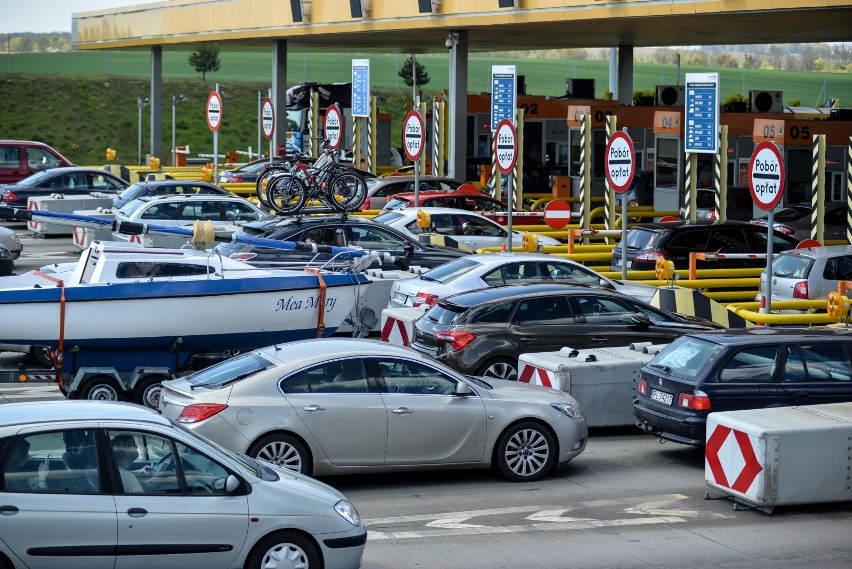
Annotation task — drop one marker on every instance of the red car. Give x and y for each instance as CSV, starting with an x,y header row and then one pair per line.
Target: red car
x,y
21,159
467,197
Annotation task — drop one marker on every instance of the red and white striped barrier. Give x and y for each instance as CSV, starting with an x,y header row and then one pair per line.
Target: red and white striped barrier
x,y
397,324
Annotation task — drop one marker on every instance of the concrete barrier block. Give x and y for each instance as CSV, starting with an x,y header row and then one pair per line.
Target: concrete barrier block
x,y
67,204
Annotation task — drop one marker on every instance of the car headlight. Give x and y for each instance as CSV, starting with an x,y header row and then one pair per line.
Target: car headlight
x,y
348,512
570,409
4,254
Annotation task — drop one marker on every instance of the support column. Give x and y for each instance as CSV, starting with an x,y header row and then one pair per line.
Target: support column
x,y
457,152
157,102
625,74
279,92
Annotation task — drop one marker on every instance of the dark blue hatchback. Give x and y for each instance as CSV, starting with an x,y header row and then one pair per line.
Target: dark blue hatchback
x,y
729,370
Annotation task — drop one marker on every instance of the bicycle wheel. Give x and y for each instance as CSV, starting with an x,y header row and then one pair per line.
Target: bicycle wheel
x,y
348,191
264,180
287,195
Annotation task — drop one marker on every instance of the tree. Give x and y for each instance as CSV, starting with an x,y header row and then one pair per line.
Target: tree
x,y
405,72
205,60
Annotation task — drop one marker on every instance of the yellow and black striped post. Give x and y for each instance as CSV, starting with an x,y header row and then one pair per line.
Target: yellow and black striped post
x,y
436,135
313,122
720,175
690,187
818,188
372,134
423,154
586,173
609,193
518,178
849,193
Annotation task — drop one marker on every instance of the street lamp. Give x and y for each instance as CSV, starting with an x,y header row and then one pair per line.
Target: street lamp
x,y
176,99
141,103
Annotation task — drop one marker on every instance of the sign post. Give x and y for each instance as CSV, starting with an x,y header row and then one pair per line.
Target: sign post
x,y
506,152
333,126
766,183
214,121
412,137
267,114
620,166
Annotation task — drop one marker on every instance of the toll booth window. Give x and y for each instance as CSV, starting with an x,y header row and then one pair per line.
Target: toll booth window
x,y
668,154
598,152
575,151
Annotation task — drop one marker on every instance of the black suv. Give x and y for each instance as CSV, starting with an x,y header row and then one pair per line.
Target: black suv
x,y
730,370
483,332
675,240
338,231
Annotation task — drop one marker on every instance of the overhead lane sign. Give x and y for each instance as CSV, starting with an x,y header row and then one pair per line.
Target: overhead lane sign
x,y
701,131
503,94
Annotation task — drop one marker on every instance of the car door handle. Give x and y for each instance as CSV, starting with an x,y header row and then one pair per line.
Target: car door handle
x,y
403,411
597,339
312,408
527,339
137,512
8,510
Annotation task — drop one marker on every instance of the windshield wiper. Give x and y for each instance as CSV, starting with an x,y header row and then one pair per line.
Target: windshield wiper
x,y
662,367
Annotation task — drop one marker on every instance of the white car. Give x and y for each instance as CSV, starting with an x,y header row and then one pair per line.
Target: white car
x,y
473,230
484,270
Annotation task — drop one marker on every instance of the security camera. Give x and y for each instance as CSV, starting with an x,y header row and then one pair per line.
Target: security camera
x,y
449,42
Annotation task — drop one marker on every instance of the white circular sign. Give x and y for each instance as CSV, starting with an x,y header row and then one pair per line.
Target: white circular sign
x,y
214,111
506,146
267,118
333,126
766,176
412,135
620,162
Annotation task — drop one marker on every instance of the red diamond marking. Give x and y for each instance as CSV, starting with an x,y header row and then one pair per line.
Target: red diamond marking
x,y
711,454
752,467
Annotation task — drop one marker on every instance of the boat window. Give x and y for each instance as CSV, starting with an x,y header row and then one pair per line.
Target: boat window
x,y
229,371
135,270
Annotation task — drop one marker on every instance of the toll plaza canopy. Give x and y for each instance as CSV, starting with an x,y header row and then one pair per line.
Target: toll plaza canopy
x,y
491,25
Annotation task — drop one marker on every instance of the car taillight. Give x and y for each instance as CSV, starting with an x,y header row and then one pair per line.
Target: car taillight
x,y
199,412
785,230
642,387
633,203
800,290
9,196
243,256
457,340
423,299
710,215
236,180
649,256
697,401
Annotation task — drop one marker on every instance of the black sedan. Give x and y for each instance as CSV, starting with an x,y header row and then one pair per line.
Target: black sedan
x,y
7,265
166,188
65,181
483,332
731,370
245,173
336,231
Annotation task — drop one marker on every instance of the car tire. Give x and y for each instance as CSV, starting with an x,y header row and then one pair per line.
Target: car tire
x,y
40,358
525,452
148,390
283,451
499,368
100,388
283,546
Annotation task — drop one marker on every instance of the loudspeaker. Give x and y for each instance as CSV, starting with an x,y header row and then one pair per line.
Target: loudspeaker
x,y
580,88
840,115
429,6
507,3
765,102
670,95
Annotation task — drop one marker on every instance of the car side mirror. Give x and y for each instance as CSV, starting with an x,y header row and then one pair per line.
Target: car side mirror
x,y
463,389
640,319
605,284
232,483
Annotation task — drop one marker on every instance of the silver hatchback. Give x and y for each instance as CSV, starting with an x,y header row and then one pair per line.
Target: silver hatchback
x,y
96,485
808,274
333,406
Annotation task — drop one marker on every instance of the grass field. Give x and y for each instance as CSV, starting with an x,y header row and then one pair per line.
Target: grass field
x,y
82,102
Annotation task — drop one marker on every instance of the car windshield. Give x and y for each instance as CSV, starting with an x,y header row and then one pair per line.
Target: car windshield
x,y
686,357
792,266
35,178
450,271
128,208
643,239
444,312
387,217
242,460
130,191
396,203
229,371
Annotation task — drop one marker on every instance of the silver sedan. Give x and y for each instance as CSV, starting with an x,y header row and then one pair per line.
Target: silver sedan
x,y
10,240
494,269
333,406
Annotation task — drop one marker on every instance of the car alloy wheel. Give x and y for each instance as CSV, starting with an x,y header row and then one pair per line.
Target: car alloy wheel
x,y
500,368
526,452
283,451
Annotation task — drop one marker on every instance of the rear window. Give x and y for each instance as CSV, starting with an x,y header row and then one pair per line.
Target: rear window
x,y
449,271
396,203
792,266
130,207
387,217
686,357
643,239
230,371
444,312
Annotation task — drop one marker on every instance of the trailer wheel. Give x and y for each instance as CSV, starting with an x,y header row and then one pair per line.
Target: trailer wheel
x,y
148,390
37,353
100,388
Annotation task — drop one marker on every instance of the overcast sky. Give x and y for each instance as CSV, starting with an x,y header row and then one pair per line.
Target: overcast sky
x,y
51,15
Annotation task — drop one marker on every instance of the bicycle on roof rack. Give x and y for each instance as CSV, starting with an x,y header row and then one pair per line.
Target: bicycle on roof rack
x,y
292,186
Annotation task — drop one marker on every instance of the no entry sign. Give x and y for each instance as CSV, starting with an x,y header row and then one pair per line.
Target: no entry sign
x,y
214,111
333,126
557,214
267,113
620,162
412,135
506,146
766,175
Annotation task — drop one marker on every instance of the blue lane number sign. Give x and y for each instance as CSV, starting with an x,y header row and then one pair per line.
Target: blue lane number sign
x,y
333,126
506,146
766,175
412,136
620,162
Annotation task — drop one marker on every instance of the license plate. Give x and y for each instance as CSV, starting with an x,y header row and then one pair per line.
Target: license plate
x,y
618,261
400,298
661,396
